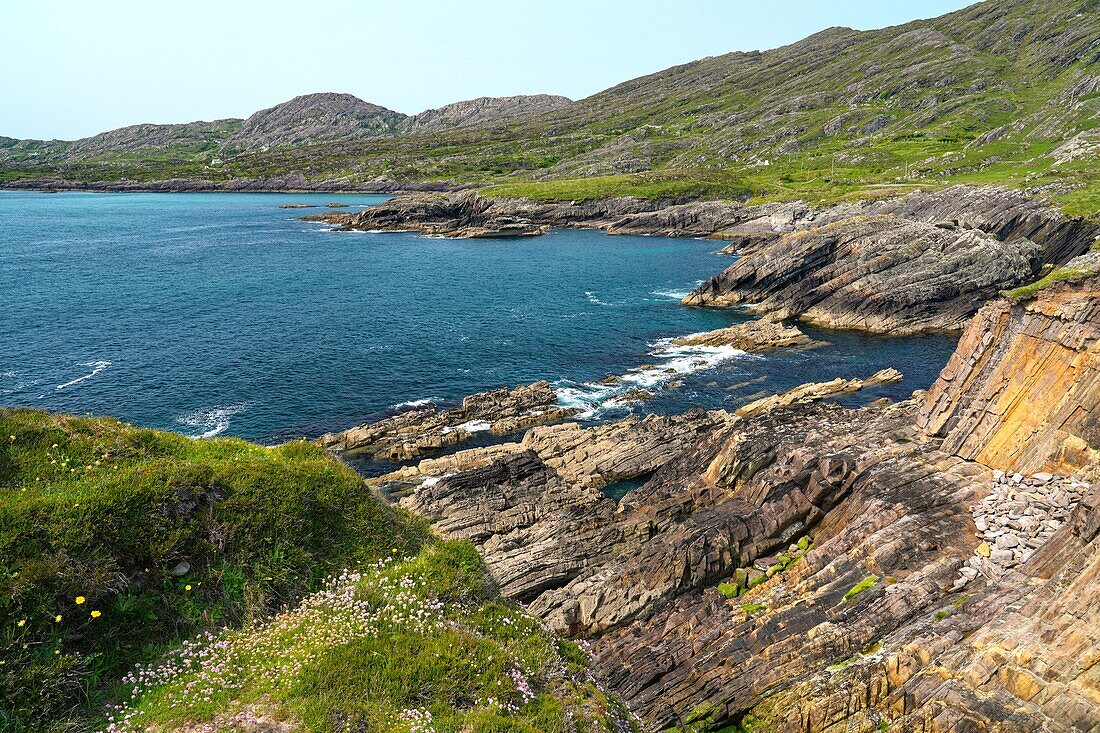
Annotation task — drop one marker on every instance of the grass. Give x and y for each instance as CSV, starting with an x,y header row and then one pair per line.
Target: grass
x,y
670,184
119,544
1065,274
864,585
409,644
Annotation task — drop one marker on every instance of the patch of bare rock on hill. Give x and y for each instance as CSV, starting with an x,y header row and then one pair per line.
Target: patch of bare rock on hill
x,y
795,566
922,262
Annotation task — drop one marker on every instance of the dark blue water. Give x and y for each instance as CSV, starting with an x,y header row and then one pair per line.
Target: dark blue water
x,y
222,313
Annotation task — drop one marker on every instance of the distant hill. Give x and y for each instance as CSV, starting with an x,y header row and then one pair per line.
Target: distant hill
x,y
483,110
313,118
1004,91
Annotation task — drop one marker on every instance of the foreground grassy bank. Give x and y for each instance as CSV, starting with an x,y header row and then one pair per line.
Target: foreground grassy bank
x,y
121,547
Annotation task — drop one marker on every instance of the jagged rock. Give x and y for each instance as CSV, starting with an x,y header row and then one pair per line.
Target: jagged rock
x,y
410,434
850,535
921,262
1013,391
759,335
815,391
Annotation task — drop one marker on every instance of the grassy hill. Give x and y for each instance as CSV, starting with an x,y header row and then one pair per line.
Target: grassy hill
x,y
267,579
1004,91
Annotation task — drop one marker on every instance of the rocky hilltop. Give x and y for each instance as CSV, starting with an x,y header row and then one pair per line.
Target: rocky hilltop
x,y
480,111
312,118
799,566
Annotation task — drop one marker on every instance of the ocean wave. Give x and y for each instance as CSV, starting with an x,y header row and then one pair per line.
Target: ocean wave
x,y
212,421
672,362
593,298
412,404
97,367
471,426
676,294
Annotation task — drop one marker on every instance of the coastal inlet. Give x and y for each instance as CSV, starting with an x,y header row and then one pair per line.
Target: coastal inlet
x,y
223,314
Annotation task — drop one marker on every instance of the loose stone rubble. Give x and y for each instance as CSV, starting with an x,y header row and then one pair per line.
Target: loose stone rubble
x,y
1018,517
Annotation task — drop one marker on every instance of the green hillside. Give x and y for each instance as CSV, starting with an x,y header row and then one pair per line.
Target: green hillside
x,y
267,579
1005,91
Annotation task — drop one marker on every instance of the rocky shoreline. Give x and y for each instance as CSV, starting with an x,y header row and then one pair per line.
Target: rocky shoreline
x,y
811,567
917,263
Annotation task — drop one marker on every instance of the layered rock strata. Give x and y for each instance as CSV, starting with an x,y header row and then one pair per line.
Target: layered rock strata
x,y
751,336
411,434
795,567
1022,389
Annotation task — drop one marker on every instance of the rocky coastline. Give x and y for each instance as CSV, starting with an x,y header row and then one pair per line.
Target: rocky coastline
x,y
802,566
917,263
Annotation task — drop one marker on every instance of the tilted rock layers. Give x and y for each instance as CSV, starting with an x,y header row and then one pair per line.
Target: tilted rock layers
x,y
795,566
1022,391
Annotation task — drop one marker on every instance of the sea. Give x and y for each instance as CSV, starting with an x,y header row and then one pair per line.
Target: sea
x,y
223,314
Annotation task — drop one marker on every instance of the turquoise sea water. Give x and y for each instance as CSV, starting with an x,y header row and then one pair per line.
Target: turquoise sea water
x,y
223,314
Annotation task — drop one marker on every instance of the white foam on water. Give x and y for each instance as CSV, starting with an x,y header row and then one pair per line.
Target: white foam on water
x,y
676,294
412,404
593,298
671,362
212,421
471,426
433,480
97,367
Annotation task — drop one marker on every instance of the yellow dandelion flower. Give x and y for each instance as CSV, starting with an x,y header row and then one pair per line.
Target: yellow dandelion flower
x,y
22,623
57,618
54,445
187,587
80,599
96,614
56,651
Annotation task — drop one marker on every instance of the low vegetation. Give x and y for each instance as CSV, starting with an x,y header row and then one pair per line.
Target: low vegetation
x,y
1065,274
121,547
864,585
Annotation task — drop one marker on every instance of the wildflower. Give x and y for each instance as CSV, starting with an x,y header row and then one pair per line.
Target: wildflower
x,y
187,587
11,437
22,623
54,445
79,600
96,614
56,651
57,618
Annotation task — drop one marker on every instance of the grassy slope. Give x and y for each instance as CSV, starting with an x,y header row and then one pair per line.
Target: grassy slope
x,y
836,115
96,517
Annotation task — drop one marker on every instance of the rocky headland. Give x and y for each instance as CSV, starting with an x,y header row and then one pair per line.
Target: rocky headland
x,y
926,565
920,262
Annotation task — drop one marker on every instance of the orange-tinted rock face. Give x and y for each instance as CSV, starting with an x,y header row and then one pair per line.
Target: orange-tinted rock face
x,y
1017,393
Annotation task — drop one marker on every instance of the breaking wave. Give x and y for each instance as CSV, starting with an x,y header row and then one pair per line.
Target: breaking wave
x,y
211,422
672,362
97,367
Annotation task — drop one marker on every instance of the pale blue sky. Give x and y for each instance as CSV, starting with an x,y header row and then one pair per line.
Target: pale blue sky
x,y
74,68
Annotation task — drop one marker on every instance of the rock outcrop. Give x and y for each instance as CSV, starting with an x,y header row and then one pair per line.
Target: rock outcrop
x,y
1022,389
916,263
751,336
926,261
415,432
801,566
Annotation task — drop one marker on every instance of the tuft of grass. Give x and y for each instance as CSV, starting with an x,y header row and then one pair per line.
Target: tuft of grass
x,y
863,585
1066,274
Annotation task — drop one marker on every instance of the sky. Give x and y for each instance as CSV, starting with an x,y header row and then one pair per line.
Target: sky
x,y
72,68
